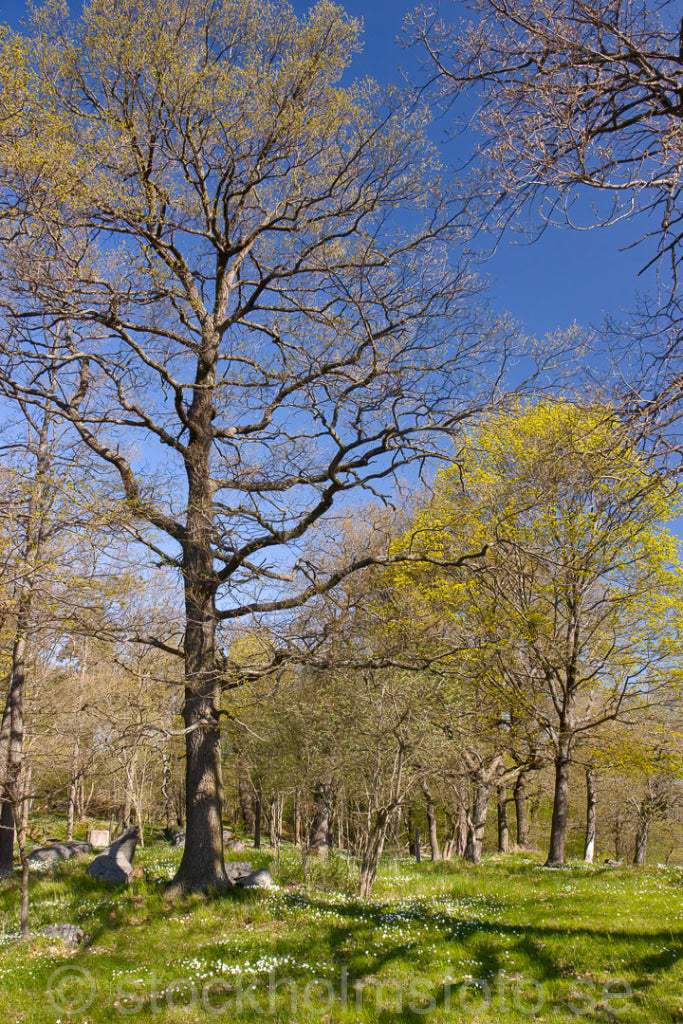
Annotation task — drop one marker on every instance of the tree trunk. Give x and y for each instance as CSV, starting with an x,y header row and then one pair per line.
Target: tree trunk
x,y
457,840
136,795
272,821
476,822
410,824
618,836
6,811
201,867
12,727
558,827
127,804
503,829
244,789
257,819
651,806
372,852
642,833
166,793
73,786
451,837
519,791
80,798
431,823
591,805
6,838
180,802
322,815
297,818
22,815
461,835
14,750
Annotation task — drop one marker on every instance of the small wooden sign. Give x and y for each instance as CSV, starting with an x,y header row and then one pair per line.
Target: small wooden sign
x,y
99,837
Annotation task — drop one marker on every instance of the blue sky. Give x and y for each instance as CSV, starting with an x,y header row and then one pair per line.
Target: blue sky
x,y
565,277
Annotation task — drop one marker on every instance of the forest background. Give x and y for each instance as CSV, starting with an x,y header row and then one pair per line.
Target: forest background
x,y
126,760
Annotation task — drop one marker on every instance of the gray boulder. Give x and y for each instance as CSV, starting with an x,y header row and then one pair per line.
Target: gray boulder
x,y
261,879
79,847
116,863
67,933
176,837
59,851
237,869
234,845
47,854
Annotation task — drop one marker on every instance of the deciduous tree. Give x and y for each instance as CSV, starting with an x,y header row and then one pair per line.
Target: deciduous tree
x,y
577,603
251,262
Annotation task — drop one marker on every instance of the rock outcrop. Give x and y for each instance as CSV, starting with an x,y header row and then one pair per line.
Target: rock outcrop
x,y
261,879
116,863
66,933
58,850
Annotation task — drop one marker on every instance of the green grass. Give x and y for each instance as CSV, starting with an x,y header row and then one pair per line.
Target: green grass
x,y
508,941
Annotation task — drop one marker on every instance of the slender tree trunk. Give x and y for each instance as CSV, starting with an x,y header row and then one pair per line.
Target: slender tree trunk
x,y
80,798
372,852
558,827
272,821
136,796
73,786
476,822
85,801
431,823
449,844
6,838
6,811
244,789
297,818
519,792
591,805
21,812
127,803
15,746
461,836
340,815
180,803
503,829
618,836
166,792
257,819
25,873
410,824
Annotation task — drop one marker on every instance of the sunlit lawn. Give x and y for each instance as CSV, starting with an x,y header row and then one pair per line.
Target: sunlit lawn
x,y
508,941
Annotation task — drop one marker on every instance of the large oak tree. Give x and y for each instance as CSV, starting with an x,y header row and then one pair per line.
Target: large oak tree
x,y
250,265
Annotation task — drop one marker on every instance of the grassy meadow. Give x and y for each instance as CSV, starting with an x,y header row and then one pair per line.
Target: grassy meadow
x,y
507,941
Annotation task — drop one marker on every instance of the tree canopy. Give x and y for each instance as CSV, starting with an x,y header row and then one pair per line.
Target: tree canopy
x,y
238,274
574,612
